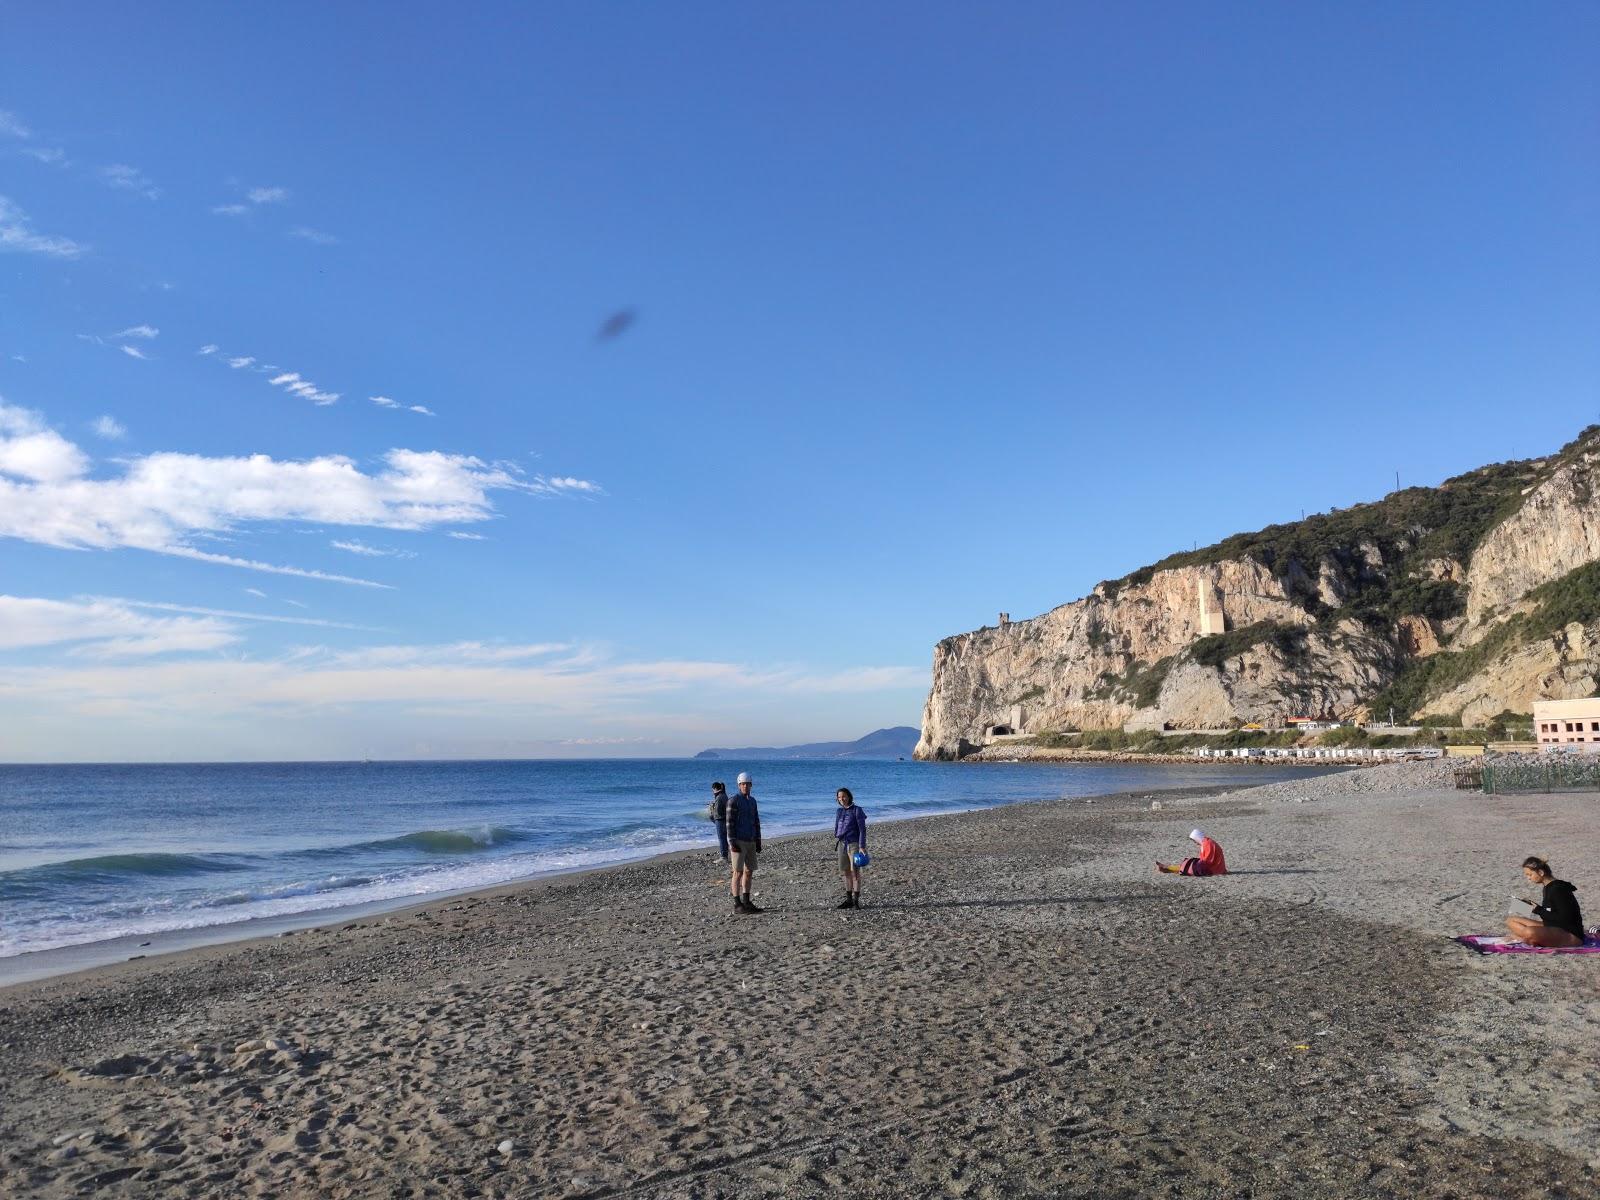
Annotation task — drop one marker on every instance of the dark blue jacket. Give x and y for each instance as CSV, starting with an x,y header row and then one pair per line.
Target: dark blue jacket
x,y
744,818
850,825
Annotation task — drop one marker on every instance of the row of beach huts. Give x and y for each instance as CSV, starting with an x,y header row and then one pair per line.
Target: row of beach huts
x,y
1330,752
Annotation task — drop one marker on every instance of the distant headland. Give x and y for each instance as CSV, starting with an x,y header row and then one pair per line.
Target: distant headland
x,y
896,742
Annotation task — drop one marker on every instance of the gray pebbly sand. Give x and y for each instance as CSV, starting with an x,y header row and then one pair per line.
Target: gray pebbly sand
x,y
1024,1009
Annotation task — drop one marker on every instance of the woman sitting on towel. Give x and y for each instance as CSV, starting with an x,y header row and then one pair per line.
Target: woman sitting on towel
x,y
1208,862
1560,922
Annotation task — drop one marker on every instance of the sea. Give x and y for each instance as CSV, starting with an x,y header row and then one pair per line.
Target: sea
x,y
89,854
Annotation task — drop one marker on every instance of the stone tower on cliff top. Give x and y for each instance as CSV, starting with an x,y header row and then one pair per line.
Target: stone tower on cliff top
x,y
1210,622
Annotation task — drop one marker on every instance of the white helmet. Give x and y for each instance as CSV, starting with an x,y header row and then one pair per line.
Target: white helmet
x,y
744,777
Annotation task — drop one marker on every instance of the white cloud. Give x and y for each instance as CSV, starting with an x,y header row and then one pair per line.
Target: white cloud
x,y
129,179
105,628
140,331
417,408
384,402
296,603
467,537
268,195
230,210
162,502
291,382
255,592
356,546
109,428
243,361
51,156
133,352
554,484
208,348
11,125
315,236
16,235
29,449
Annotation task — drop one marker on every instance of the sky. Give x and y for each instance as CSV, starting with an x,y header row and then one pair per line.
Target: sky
x,y
614,379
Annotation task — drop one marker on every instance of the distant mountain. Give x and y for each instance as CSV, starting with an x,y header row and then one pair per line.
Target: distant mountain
x,y
897,742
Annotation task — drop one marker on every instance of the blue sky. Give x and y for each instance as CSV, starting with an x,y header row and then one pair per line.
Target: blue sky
x,y
940,309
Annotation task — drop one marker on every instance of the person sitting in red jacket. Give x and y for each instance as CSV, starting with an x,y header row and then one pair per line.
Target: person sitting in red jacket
x,y
1208,862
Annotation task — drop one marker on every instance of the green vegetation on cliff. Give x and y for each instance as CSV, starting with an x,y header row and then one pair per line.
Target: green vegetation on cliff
x,y
1408,528
1574,598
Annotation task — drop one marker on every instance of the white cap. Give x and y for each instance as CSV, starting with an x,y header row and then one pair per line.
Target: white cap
x,y
744,777
1195,835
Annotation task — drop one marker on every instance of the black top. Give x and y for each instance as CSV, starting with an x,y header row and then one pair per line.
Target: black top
x,y
1560,908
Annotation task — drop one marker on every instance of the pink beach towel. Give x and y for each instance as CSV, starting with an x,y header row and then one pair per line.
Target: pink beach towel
x,y
1485,943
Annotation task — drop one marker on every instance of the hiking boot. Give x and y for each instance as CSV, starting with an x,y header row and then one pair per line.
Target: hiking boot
x,y
847,902
750,906
855,899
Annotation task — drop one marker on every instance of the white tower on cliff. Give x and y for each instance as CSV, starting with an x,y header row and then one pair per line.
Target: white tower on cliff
x,y
1210,622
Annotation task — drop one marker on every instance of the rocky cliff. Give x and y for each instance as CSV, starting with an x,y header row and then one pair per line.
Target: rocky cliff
x,y
1468,599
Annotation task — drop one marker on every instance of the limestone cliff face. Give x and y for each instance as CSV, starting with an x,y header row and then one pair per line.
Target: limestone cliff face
x,y
1564,667
1095,663
1556,530
1371,605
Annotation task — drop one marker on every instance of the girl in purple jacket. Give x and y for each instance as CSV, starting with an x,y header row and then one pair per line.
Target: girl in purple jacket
x,y
850,835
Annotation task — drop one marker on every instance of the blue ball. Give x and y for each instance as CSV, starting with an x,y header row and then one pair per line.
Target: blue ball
x,y
860,859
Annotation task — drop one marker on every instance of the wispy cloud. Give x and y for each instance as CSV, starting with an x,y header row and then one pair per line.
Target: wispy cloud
x,y
207,349
140,331
134,352
268,195
315,236
230,210
129,179
290,381
11,125
355,546
389,402
97,628
18,236
109,428
556,484
240,363
164,502
255,592
232,614
467,537
471,679
51,156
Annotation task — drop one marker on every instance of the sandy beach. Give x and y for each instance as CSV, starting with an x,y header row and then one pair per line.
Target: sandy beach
x,y
1024,1008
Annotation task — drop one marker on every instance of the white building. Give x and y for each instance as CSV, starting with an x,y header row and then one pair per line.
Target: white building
x,y
1568,724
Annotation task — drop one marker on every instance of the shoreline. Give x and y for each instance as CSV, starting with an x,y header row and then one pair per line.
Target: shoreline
x,y
1022,1008
76,958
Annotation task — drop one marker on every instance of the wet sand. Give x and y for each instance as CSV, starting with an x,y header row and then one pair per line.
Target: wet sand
x,y
1024,1008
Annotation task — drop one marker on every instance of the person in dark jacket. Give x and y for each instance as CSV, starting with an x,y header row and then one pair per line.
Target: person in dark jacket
x,y
718,812
744,839
849,835
1560,922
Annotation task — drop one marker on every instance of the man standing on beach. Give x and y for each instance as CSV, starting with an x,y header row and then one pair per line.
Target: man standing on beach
x,y
744,836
